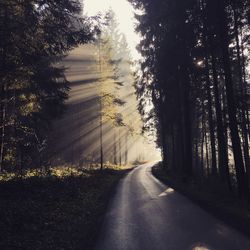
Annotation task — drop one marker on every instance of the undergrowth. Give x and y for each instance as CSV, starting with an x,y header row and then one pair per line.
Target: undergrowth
x,y
58,209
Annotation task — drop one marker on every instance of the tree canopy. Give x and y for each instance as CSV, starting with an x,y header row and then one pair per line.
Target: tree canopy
x,y
35,35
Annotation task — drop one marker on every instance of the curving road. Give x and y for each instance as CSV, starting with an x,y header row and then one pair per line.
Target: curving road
x,y
145,214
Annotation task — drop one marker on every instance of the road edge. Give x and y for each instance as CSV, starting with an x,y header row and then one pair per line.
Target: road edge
x,y
231,219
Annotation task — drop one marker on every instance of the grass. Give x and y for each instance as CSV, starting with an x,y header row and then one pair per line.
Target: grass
x,y
62,210
211,196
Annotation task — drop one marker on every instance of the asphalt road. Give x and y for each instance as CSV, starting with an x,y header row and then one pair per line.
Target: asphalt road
x,y
145,214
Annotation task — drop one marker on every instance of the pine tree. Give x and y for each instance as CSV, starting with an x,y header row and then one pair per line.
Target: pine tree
x,y
36,35
194,71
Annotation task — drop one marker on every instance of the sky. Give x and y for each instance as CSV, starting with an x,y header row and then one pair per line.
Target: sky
x,y
124,14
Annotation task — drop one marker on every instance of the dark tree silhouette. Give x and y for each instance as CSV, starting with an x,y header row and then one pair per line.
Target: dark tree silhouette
x,y
35,35
195,70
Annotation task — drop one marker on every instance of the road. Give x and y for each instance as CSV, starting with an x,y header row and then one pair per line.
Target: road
x,y
145,214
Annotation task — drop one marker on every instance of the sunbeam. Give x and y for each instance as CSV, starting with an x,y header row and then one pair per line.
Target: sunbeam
x,y
77,135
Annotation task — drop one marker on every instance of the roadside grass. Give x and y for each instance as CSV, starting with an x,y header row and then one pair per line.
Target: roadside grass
x,y
62,209
211,196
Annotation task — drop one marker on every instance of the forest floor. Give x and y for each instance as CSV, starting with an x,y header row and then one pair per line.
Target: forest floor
x,y
62,210
225,206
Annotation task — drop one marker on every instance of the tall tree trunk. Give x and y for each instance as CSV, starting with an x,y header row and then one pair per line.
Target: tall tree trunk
x,y
207,153
245,84
101,135
3,121
115,147
186,122
239,164
222,144
101,109
173,146
4,87
211,121
120,148
126,148
180,135
160,106
203,131
243,95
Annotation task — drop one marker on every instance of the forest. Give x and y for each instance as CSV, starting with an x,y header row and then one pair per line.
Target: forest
x,y
35,35
67,110
38,85
102,150
195,69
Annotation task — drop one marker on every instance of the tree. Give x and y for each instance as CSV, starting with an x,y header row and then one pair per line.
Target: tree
x,y
194,71
118,101
36,35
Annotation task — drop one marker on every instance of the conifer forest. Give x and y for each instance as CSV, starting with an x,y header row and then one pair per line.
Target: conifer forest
x,y
196,70
125,124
